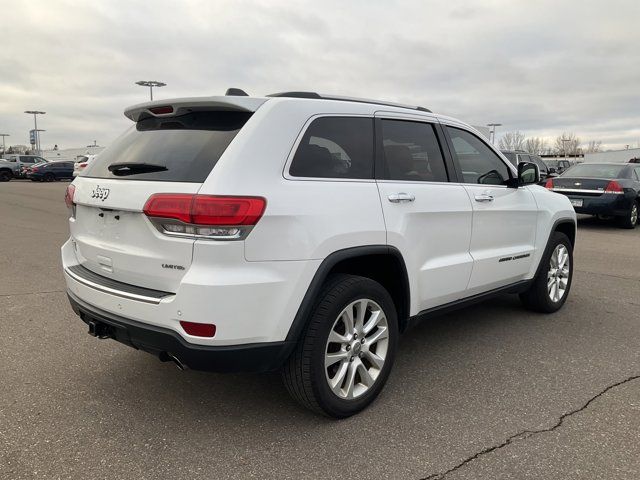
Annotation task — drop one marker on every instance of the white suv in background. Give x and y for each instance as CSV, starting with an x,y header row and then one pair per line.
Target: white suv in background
x,y
81,163
303,233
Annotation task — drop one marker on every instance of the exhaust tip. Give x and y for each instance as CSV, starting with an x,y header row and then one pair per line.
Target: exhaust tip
x,y
170,357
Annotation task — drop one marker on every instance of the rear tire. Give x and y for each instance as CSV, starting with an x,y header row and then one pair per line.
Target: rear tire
x,y
49,177
551,286
630,220
353,324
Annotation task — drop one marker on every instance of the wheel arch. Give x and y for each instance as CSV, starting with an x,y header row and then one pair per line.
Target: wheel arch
x,y
381,263
566,226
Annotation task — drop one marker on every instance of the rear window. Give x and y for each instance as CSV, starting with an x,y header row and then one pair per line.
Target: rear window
x,y
586,170
183,148
412,152
335,147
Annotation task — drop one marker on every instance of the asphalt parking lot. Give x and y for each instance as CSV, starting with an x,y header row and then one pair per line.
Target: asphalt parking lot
x,y
487,392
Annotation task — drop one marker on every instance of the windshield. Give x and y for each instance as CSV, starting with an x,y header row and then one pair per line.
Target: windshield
x,y
184,148
587,170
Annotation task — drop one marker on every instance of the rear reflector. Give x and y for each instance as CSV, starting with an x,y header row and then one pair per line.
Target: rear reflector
x,y
613,187
68,195
164,110
549,184
199,329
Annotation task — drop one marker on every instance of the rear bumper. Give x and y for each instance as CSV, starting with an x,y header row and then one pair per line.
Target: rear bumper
x,y
605,204
167,344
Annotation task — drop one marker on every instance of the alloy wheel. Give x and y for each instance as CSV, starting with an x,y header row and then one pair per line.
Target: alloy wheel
x,y
356,349
558,275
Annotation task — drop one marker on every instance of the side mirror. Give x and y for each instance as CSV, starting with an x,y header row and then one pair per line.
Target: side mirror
x,y
528,173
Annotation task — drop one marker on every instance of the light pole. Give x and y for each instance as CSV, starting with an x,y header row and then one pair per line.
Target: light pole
x,y
38,130
35,114
492,132
150,84
4,148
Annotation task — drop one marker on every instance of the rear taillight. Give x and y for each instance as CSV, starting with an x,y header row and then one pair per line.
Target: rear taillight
x,y
68,196
199,329
82,165
613,187
204,216
549,184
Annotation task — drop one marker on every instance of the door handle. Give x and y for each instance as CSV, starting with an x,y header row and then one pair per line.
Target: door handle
x,y
484,197
401,197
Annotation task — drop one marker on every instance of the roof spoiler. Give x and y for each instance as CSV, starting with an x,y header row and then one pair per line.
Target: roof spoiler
x,y
181,106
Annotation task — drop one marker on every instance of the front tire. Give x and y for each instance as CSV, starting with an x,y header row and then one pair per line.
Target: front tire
x,y
347,350
630,220
551,286
5,175
49,177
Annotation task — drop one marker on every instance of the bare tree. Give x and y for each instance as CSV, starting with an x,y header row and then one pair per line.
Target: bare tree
x,y
567,144
593,146
512,141
535,145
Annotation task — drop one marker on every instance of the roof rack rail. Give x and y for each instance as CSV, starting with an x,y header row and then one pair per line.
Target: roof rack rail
x,y
317,96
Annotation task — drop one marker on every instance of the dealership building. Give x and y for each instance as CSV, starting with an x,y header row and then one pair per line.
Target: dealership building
x,y
612,156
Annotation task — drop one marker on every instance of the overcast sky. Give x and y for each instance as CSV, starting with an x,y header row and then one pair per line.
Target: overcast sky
x,y
542,67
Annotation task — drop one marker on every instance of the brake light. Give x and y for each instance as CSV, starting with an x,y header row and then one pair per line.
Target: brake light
x,y
549,184
169,205
208,210
83,165
613,187
199,329
32,169
164,110
208,216
68,196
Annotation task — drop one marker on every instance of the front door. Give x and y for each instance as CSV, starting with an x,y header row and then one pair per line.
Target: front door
x,y
427,217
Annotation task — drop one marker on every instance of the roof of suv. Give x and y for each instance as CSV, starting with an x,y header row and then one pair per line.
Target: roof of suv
x,y
178,106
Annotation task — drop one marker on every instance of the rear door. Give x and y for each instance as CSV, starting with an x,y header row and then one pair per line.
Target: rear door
x,y
428,218
504,219
111,234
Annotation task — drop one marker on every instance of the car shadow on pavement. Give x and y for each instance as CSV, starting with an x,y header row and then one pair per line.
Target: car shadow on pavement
x,y
433,350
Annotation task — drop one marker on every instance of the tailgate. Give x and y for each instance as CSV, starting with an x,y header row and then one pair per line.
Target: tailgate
x,y
115,239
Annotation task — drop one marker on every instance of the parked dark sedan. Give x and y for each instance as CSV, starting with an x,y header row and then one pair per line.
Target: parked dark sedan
x,y
519,156
604,189
48,172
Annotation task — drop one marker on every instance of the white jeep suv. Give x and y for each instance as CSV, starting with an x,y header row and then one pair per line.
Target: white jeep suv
x,y
303,233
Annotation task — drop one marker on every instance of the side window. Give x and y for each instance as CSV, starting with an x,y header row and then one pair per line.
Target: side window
x,y
479,164
27,159
523,158
412,151
637,170
335,147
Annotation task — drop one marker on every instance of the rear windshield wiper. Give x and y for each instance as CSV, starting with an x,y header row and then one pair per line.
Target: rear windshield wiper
x,y
131,168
